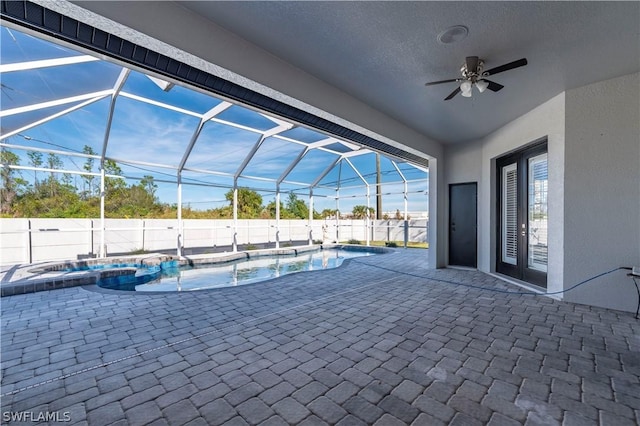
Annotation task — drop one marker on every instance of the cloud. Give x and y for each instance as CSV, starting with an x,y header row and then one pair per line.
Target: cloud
x,y
143,132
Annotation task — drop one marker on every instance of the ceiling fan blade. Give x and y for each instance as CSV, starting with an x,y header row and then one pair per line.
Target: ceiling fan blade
x,y
442,81
472,63
506,67
455,92
493,86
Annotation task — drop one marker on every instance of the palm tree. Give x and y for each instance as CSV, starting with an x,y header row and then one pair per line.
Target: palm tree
x,y
360,212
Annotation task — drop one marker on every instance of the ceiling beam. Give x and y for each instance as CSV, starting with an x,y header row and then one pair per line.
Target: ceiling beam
x,y
324,173
46,63
293,164
203,120
357,172
34,107
160,104
48,151
271,132
117,87
50,117
323,142
398,170
356,153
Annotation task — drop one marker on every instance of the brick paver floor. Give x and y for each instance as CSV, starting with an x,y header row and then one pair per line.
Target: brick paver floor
x,y
381,340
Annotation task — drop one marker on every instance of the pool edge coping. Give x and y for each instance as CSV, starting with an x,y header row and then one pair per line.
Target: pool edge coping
x,y
58,278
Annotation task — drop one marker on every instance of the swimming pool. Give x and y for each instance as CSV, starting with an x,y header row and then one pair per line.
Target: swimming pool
x,y
239,272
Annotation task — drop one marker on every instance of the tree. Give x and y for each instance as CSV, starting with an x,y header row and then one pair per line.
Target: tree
x,y
139,200
115,191
110,183
360,212
271,209
66,180
53,162
249,202
143,196
328,213
12,183
35,160
149,185
89,185
297,208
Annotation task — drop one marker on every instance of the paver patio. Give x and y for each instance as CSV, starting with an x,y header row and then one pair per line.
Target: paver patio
x,y
381,340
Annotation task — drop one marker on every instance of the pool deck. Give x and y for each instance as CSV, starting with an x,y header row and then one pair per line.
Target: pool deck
x,y
381,340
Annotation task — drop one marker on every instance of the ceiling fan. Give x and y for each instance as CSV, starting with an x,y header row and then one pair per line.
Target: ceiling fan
x,y
473,74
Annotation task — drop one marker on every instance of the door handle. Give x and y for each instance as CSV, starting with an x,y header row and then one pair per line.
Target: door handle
x,y
524,230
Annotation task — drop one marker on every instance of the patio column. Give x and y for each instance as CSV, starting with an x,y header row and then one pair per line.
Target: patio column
x,y
102,249
310,216
404,193
29,245
337,215
180,224
235,216
406,214
368,217
278,216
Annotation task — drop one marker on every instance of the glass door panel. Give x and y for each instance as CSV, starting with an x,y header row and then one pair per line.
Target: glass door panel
x,y
537,213
510,214
522,214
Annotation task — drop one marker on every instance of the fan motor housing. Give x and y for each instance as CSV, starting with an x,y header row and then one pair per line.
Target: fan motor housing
x,y
472,68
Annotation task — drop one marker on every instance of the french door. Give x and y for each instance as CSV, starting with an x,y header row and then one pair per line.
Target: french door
x,y
522,214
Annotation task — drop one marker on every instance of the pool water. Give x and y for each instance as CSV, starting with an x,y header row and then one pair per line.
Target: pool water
x,y
230,274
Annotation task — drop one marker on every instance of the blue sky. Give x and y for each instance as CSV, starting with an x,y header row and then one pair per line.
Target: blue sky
x,y
147,132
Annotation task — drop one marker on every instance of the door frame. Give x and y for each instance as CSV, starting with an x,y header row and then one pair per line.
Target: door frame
x,y
519,271
475,235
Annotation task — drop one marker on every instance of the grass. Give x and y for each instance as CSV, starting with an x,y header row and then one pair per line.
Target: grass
x,y
139,251
401,244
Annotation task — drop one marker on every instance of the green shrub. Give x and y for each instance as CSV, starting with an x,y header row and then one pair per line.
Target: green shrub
x,y
390,244
250,247
352,241
138,251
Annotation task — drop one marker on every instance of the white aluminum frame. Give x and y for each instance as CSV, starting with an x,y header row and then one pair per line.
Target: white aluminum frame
x,y
116,92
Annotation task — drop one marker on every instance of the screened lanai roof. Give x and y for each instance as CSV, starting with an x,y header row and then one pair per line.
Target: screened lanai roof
x,y
61,100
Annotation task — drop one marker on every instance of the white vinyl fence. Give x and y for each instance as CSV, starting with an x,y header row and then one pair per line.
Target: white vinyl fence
x,y
36,240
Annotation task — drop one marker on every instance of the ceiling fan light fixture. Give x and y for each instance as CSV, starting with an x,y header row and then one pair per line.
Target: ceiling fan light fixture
x,y
482,85
473,74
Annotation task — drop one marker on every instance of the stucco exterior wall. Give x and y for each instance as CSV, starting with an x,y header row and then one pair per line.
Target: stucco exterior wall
x,y
594,187
602,190
475,162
